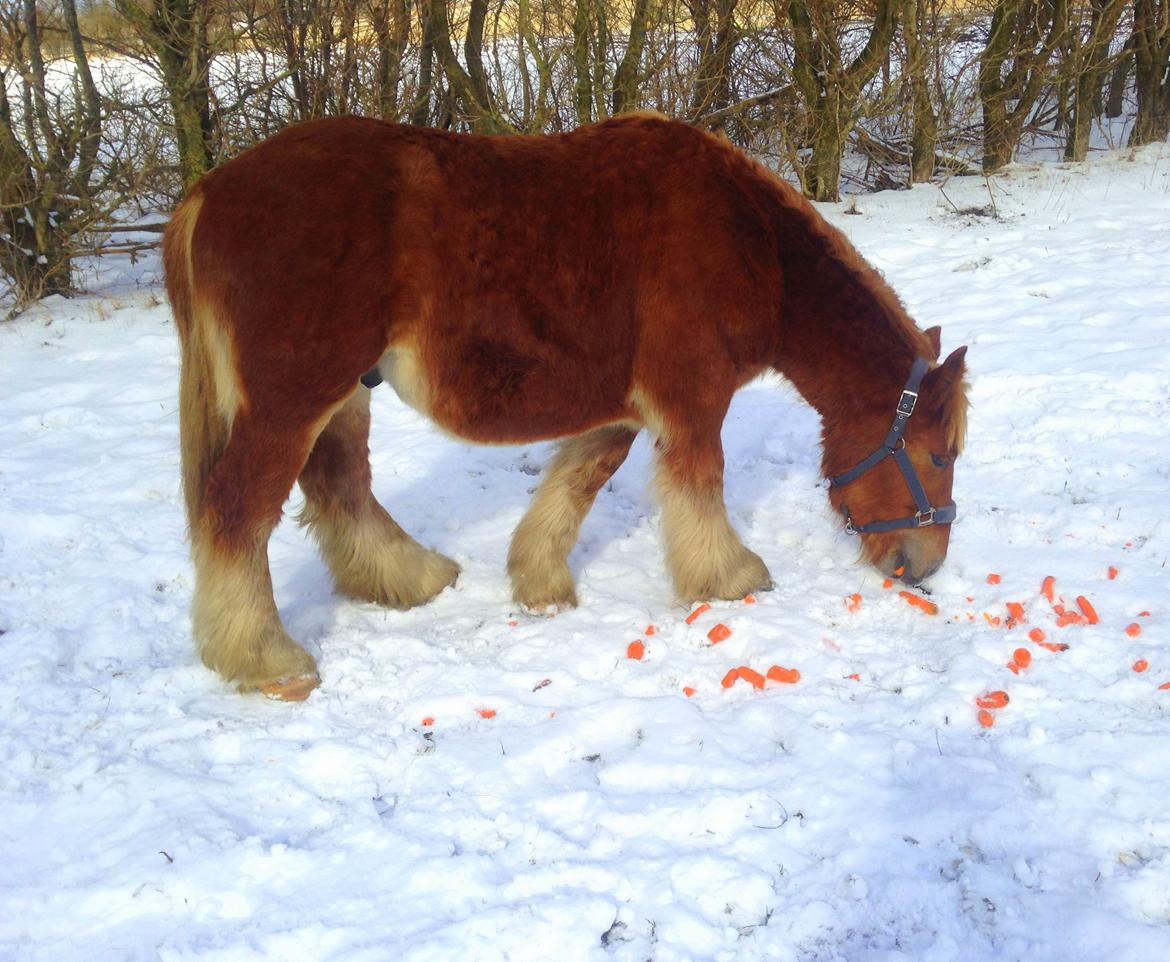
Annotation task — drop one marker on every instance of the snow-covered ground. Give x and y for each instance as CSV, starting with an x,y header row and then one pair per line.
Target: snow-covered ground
x,y
147,811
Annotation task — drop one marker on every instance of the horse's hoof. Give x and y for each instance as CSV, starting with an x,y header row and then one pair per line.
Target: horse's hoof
x,y
297,688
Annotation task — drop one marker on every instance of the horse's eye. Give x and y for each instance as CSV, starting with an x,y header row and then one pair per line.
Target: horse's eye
x,y
940,460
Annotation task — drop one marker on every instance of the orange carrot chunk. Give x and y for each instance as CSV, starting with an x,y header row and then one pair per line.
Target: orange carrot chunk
x,y
751,676
698,611
749,599
899,571
853,602
719,633
1048,589
853,677
1140,665
1087,610
1112,573
1053,645
1165,686
1133,630
993,699
992,620
887,583
730,678
650,630
786,676
428,721
1015,614
688,691
486,712
1143,614
635,650
1022,657
1037,635
986,719
919,602
993,579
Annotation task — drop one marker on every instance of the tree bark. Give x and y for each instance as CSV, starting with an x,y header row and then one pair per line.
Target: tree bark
x,y
1151,30
625,80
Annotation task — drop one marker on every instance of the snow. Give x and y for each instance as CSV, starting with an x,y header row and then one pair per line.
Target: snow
x,y
149,812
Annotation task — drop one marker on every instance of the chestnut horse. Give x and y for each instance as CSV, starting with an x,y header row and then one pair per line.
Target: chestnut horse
x,y
582,286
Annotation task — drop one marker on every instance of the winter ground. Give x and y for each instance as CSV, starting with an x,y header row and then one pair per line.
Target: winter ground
x,y
147,811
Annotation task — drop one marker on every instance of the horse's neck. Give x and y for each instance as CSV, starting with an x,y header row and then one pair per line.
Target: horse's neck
x,y
847,342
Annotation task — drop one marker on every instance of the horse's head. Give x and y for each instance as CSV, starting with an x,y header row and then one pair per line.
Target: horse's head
x,y
891,469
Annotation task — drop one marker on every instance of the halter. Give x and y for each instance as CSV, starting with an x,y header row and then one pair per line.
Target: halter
x,y
895,444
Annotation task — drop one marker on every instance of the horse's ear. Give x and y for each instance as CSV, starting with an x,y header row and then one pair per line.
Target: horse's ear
x,y
942,381
934,335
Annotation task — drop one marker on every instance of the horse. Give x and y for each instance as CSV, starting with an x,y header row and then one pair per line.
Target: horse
x,y
580,286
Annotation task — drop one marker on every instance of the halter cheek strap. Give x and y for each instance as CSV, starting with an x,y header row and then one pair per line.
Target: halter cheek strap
x,y
895,446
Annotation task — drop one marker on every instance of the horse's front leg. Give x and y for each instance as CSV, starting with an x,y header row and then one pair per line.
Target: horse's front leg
x,y
703,553
538,561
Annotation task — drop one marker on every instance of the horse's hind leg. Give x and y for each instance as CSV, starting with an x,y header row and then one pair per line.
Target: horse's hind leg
x,y
370,556
538,559
703,553
236,623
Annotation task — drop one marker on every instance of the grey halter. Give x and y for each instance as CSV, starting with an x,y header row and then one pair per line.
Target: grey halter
x,y
895,444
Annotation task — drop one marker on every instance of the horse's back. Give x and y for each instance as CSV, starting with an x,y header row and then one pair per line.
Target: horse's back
x,y
527,283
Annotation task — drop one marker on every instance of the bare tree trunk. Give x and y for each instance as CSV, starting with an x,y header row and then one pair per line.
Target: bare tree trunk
x,y
1088,70
1151,31
582,81
920,19
717,37
625,80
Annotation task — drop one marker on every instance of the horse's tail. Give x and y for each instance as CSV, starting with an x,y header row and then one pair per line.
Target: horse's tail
x,y
204,415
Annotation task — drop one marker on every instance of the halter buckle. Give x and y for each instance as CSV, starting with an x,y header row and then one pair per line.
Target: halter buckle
x,y
924,518
907,401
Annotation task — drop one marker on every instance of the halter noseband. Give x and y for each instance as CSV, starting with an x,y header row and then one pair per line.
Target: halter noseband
x,y
895,444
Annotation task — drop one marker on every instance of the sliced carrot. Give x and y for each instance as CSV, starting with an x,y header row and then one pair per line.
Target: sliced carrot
x,y
1140,665
1048,589
698,611
786,676
970,597
749,599
919,602
1053,645
991,619
986,719
1087,610
1066,618
751,676
635,650
688,691
1022,657
428,721
1013,667
854,677
719,633
1165,686
853,602
513,624
650,631
887,583
1016,614
1143,614
1037,635
730,678
1112,573
1133,630
993,699
899,571
486,712
993,579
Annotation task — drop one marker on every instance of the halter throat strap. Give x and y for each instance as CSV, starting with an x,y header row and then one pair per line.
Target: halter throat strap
x,y
895,446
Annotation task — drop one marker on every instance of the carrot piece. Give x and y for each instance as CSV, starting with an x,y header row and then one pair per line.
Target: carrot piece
x,y
730,678
698,611
1133,630
899,571
786,676
428,721
1053,645
1015,614
1069,618
1022,657
1087,610
1165,686
1037,635
751,676
650,630
486,712
853,602
1143,614
991,620
1112,573
1048,589
688,691
513,624
854,677
1140,665
919,602
986,719
993,579
993,699
887,583
749,599
635,650
719,633
1013,667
